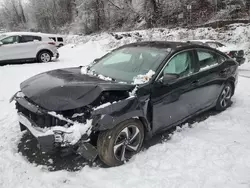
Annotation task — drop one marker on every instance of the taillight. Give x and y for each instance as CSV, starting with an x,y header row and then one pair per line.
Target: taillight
x,y
52,43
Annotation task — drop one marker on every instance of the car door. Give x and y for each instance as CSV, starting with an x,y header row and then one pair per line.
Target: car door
x,y
209,78
29,46
170,101
9,48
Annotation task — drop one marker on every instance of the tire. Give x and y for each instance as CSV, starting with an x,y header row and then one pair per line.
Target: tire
x,y
127,136
44,57
224,100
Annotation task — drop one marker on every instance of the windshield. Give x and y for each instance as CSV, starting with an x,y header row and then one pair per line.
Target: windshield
x,y
127,63
2,36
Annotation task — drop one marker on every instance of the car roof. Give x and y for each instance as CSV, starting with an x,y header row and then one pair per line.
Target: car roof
x,y
24,33
204,41
164,44
171,45
53,35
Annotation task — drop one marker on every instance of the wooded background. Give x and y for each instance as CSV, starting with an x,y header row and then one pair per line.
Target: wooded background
x,y
89,16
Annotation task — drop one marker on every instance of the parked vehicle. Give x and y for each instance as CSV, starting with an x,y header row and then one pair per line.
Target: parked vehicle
x,y
26,46
232,50
59,40
111,106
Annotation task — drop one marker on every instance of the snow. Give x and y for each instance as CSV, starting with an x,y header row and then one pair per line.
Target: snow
x,y
77,131
207,67
103,106
142,79
59,116
211,153
73,133
229,48
104,77
84,70
77,115
133,92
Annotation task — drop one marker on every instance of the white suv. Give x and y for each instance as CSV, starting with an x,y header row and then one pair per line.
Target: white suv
x,y
26,46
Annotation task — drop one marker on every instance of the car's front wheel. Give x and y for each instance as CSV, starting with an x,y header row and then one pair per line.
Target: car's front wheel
x,y
224,100
119,144
44,57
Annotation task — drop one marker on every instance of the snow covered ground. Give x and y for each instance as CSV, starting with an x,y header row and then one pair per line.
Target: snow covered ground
x,y
211,153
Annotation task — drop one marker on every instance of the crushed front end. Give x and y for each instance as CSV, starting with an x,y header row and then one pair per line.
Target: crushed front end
x,y
66,131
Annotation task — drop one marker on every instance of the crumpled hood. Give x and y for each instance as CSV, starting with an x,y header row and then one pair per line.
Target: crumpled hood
x,y
66,89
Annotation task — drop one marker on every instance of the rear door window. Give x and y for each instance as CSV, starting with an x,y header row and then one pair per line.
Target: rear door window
x,y
209,59
26,38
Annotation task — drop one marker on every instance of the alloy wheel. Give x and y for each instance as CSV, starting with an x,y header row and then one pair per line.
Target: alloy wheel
x,y
45,57
225,96
127,143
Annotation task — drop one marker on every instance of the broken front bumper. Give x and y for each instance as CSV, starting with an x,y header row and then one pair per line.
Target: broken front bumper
x,y
52,138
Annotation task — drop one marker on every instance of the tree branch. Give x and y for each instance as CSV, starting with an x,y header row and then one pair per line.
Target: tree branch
x,y
112,3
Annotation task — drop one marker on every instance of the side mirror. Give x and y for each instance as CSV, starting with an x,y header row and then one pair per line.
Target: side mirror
x,y
169,78
1,43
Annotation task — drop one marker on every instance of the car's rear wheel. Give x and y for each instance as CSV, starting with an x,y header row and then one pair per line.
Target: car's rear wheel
x,y
119,144
224,100
44,57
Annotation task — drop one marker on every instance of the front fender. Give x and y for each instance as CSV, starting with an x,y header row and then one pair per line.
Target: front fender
x,y
108,117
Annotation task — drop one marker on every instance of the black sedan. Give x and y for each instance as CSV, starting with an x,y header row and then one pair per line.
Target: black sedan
x,y
110,107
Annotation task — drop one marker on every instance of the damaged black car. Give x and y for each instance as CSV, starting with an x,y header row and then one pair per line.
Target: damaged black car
x,y
111,106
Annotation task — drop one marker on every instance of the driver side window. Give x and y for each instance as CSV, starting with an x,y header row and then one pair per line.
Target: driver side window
x,y
181,65
10,40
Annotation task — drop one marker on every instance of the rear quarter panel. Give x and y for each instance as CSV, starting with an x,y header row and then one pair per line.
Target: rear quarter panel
x,y
45,46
